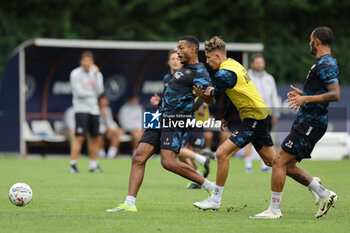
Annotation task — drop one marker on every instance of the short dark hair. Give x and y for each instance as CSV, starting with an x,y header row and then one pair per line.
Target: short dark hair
x,y
87,53
102,96
192,40
324,34
254,56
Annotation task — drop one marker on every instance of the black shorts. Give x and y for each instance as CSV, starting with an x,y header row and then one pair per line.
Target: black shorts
x,y
195,137
269,123
166,138
152,136
302,140
251,130
86,123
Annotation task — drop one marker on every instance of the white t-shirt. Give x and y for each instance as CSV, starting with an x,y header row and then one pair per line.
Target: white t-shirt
x,y
130,117
86,87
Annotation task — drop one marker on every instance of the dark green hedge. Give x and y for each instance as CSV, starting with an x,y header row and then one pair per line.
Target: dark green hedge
x,y
283,26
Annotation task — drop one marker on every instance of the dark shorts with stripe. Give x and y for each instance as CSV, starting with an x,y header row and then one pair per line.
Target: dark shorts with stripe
x,y
166,138
254,131
86,123
195,137
302,140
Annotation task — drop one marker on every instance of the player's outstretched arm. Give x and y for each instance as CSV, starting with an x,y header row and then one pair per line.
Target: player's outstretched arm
x,y
206,96
296,100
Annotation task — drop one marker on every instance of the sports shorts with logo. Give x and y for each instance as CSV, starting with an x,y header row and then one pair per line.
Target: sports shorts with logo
x,y
165,138
86,123
171,139
302,139
251,130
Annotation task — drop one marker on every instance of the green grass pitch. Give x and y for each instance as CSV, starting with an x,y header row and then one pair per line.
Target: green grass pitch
x,y
64,202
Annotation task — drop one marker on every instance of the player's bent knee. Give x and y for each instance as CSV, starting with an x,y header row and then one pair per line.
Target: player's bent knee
x,y
277,161
140,156
137,159
221,156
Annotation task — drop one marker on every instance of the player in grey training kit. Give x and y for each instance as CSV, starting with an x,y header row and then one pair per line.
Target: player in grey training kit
x,y
87,85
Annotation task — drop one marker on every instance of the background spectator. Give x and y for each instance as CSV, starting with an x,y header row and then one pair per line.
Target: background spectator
x,y
130,119
109,130
266,86
69,124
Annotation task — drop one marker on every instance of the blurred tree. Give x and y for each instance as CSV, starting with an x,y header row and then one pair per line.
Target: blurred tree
x,y
283,26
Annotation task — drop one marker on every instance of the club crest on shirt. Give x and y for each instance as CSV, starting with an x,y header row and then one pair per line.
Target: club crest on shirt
x,y
178,74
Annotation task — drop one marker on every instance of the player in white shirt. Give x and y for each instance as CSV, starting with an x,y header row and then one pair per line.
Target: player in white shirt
x,y
87,85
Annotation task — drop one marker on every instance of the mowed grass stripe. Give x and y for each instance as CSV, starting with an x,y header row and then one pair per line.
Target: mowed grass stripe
x,y
64,202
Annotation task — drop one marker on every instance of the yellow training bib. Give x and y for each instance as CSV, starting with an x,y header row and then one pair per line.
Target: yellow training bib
x,y
244,94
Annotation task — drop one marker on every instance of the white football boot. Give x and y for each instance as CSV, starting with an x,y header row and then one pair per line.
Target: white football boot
x,y
267,214
208,204
326,203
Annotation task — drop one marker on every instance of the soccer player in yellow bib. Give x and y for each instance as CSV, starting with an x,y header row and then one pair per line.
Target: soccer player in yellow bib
x,y
233,79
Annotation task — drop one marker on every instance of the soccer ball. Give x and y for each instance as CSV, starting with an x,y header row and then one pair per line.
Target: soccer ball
x,y
20,194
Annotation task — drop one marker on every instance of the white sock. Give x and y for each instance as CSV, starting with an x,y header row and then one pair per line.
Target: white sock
x,y
93,164
200,159
112,152
101,153
130,201
208,186
73,162
321,191
216,196
275,203
248,162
